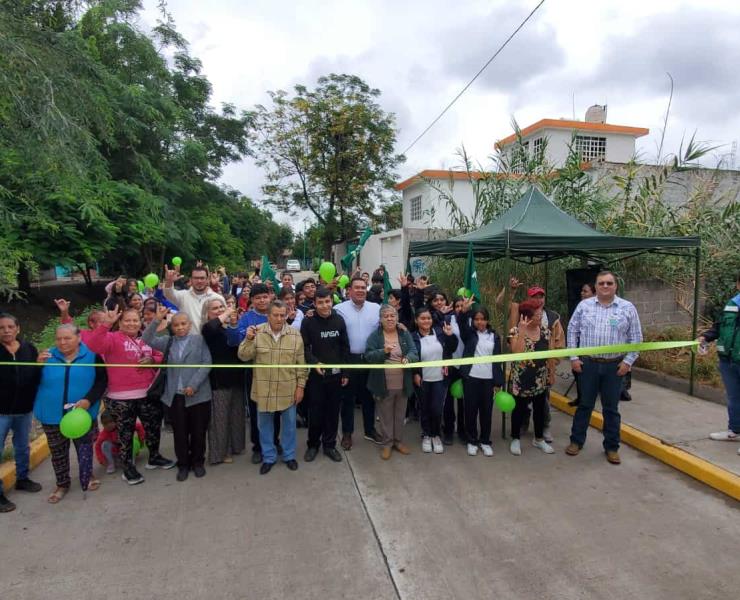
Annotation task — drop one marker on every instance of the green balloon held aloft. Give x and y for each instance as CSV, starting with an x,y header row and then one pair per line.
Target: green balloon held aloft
x,y
151,281
504,401
327,271
343,281
337,299
456,389
140,285
75,423
464,292
176,261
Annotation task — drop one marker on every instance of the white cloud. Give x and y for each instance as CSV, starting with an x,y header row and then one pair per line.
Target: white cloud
x,y
420,54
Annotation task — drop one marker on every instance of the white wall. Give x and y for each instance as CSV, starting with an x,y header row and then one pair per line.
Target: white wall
x,y
384,249
619,148
435,213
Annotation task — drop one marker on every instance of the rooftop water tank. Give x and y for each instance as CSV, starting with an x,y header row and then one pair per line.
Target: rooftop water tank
x,y
596,114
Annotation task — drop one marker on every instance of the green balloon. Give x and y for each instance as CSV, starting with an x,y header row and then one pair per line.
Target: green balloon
x,y
76,423
327,271
464,292
140,285
504,401
176,261
137,445
456,389
343,281
151,281
337,299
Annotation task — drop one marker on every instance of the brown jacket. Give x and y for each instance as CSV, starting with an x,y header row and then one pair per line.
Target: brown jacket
x,y
273,389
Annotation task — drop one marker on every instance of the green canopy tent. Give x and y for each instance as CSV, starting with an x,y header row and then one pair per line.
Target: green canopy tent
x,y
534,230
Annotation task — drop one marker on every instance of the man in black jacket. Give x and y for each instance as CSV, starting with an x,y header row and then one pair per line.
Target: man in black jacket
x,y
325,341
18,386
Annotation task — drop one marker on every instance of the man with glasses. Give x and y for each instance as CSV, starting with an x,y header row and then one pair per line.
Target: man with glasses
x,y
602,320
192,300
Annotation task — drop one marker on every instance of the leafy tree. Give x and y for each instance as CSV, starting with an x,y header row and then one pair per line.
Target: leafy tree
x,y
329,151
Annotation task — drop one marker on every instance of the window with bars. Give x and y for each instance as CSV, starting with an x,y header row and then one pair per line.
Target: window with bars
x,y
591,147
415,208
538,147
518,157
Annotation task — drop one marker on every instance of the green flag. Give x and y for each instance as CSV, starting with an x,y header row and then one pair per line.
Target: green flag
x,y
471,275
387,287
266,273
349,258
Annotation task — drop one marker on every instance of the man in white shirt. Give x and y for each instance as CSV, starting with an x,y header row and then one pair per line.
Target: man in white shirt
x,y
190,301
362,318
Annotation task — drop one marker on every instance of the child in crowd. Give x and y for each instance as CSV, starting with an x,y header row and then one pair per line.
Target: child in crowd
x,y
107,446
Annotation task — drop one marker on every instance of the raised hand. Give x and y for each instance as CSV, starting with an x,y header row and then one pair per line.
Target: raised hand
x,y
171,275
447,328
251,332
62,305
514,283
446,309
524,321
467,304
162,311
403,280
111,316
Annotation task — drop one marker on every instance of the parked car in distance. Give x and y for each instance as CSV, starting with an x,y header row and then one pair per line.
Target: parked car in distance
x,y
293,265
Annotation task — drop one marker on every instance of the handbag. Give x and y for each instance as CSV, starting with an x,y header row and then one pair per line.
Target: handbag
x,y
156,389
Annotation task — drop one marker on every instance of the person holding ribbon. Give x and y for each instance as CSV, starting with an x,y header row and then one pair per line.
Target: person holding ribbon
x,y
606,319
726,332
128,387
62,389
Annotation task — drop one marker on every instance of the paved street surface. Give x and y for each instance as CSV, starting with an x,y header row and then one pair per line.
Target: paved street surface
x,y
422,526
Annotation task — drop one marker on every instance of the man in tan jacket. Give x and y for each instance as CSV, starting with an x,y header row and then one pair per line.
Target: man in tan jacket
x,y
278,389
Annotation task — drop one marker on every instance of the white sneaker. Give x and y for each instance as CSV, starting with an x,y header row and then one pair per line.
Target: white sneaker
x,y
472,450
725,436
487,450
547,435
738,451
426,444
437,445
515,448
544,446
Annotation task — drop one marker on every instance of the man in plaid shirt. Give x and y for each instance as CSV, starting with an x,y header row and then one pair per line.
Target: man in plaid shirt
x,y
602,320
276,390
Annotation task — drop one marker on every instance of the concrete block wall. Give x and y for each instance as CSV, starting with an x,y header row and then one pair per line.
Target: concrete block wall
x,y
656,304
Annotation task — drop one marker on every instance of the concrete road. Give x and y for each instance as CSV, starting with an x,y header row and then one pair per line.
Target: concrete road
x,y
417,527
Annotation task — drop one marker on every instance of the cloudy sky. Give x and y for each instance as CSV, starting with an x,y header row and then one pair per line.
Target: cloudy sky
x,y
421,53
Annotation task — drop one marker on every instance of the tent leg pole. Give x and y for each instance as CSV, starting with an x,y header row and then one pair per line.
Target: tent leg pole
x,y
547,278
695,321
504,331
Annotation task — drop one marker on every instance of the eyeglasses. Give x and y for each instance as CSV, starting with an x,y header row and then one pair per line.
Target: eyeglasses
x,y
604,283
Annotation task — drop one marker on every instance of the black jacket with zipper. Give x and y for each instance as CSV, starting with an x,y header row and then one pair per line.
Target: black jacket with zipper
x,y
18,384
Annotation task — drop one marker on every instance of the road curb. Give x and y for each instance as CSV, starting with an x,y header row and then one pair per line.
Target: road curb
x,y
708,473
39,453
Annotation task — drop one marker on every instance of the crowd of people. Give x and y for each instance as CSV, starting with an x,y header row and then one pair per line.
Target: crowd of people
x,y
288,333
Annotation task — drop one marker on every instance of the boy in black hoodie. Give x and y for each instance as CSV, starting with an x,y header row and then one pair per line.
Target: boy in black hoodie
x,y
326,342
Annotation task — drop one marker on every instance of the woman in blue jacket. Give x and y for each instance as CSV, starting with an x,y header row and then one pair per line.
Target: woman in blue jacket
x,y
479,380
62,389
433,342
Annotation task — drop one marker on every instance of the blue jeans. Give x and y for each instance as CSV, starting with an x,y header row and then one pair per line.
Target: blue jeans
x,y
287,432
730,372
21,427
598,378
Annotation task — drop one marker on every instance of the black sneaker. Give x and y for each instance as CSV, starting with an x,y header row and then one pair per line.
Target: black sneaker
x,y
132,476
5,504
292,464
334,454
374,437
159,462
26,485
265,468
625,396
256,457
310,454
199,471
182,473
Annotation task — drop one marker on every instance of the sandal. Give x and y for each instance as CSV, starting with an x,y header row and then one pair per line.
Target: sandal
x,y
93,485
57,495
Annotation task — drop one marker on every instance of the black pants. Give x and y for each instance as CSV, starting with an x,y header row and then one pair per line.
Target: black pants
x,y
324,396
432,402
125,412
522,408
453,422
478,404
356,391
189,427
254,430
